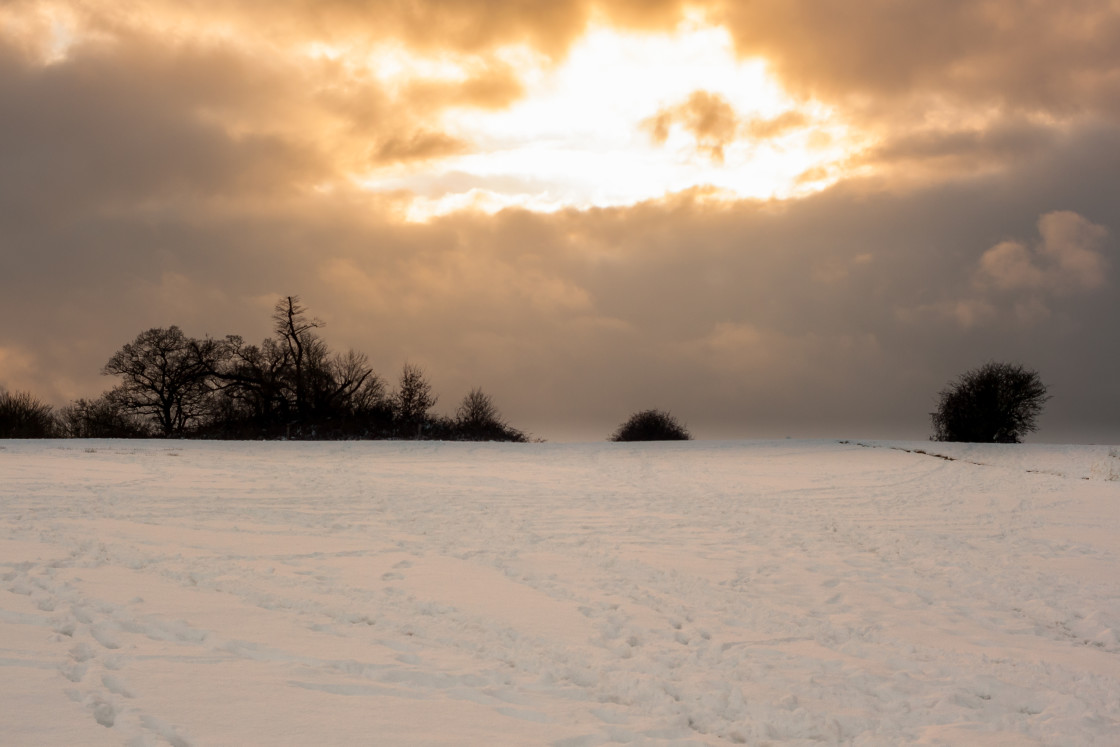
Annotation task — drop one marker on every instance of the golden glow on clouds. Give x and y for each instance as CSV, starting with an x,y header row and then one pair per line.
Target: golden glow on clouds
x,y
579,136
619,117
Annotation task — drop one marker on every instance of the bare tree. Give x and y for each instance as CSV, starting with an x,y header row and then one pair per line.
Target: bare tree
x,y
476,410
995,403
252,378
370,395
341,378
293,384
477,419
104,417
412,401
165,376
296,334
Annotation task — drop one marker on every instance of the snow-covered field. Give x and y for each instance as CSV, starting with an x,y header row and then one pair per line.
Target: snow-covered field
x,y
790,592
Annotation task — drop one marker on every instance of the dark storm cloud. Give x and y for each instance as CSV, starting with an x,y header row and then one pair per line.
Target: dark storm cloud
x,y
108,129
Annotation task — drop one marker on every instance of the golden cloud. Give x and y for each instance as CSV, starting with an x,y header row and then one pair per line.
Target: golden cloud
x,y
417,147
1068,258
936,91
765,129
708,117
1052,57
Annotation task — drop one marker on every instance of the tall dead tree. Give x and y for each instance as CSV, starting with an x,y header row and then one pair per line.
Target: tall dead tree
x,y
296,334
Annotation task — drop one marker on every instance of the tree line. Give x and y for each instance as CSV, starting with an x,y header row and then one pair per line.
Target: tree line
x,y
291,386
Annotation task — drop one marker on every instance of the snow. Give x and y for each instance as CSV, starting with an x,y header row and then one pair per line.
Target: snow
x,y
703,593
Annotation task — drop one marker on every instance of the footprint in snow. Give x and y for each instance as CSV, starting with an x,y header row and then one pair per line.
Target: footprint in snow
x,y
81,652
104,712
165,730
106,634
116,685
73,671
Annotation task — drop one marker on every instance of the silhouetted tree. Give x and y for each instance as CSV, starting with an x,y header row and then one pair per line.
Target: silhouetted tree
x,y
295,332
651,425
164,376
335,382
24,416
477,419
371,410
412,401
104,417
292,386
370,395
995,403
251,382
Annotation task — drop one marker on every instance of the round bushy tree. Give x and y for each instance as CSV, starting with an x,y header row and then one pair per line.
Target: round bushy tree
x,y
651,425
995,403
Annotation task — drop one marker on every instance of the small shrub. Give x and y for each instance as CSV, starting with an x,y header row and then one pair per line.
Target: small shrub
x,y
24,416
995,403
651,425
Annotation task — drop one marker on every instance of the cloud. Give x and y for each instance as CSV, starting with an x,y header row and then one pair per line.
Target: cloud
x,y
1057,58
18,370
933,92
63,135
1010,265
438,26
417,147
210,112
924,153
765,129
483,85
1068,259
713,123
708,117
938,91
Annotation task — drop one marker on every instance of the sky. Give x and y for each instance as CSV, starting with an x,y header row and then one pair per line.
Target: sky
x,y
776,218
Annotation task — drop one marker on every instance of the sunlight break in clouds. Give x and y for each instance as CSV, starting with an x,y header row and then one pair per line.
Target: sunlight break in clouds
x,y
581,135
